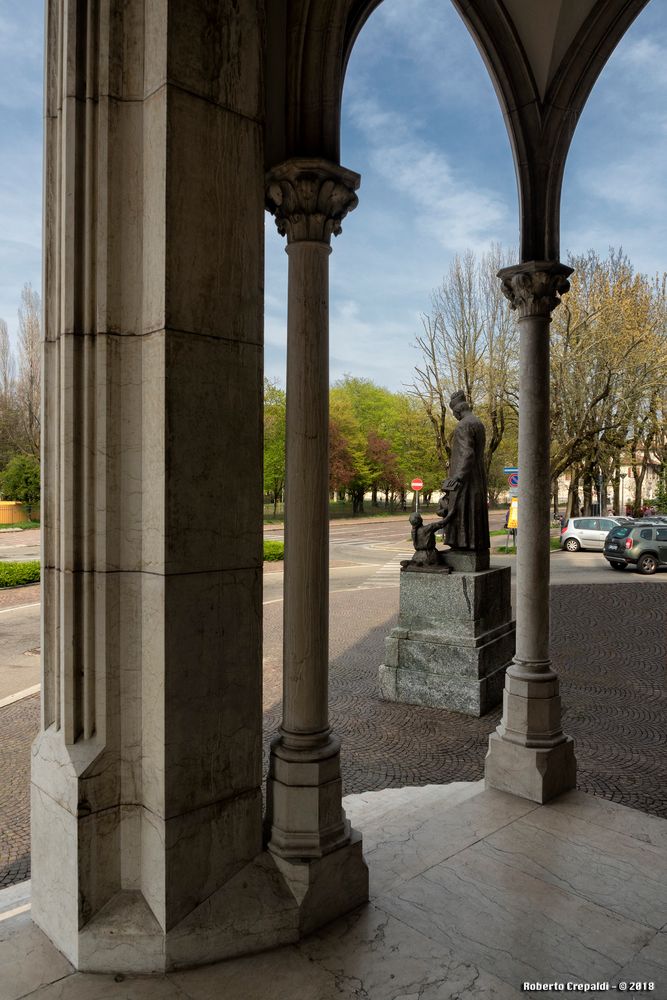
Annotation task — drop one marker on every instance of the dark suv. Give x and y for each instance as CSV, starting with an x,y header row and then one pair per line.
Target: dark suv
x,y
642,545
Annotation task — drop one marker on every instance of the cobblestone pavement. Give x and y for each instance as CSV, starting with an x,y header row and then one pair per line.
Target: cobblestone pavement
x,y
13,597
18,727
609,646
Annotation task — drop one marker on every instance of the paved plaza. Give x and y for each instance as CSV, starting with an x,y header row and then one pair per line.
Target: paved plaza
x,y
609,644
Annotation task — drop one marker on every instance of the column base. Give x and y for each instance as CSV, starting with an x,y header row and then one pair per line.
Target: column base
x,y
271,902
326,888
535,773
305,816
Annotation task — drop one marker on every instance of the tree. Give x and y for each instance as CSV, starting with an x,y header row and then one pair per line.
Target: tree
x,y
350,442
9,418
20,480
661,492
608,362
469,342
28,383
274,440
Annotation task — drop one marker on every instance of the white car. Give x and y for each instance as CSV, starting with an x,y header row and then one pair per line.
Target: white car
x,y
587,532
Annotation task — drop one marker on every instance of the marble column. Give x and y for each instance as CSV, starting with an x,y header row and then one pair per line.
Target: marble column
x,y
309,198
529,755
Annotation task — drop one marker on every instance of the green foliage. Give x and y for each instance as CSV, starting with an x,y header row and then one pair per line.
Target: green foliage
x,y
274,440
20,525
661,494
15,574
20,480
274,551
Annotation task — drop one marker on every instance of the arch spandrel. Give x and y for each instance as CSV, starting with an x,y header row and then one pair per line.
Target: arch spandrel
x,y
542,85
543,67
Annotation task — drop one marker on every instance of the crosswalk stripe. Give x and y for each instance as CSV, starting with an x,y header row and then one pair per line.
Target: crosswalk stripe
x,y
385,576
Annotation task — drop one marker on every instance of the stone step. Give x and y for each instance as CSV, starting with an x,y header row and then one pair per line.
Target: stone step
x,y
366,810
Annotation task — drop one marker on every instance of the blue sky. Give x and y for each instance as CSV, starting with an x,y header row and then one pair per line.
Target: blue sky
x,y
422,125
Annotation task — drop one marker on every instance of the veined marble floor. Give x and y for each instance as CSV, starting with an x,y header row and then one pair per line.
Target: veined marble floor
x,y
474,893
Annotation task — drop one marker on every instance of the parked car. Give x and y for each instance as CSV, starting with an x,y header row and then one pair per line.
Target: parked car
x,y
586,532
641,544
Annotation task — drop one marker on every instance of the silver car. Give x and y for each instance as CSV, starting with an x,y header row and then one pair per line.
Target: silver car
x,y
587,532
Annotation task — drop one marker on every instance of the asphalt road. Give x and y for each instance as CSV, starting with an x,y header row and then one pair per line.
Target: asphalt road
x,y
19,545
19,649
364,556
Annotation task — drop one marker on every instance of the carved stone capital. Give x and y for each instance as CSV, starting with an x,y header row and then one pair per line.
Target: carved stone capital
x,y
534,288
310,198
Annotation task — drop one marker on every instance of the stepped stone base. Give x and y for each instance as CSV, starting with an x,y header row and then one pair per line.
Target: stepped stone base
x,y
454,640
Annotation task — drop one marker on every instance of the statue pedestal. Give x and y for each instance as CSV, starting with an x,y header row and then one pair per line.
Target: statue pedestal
x,y
454,640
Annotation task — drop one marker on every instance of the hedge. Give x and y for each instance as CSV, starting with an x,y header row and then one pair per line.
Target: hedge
x,y
274,551
14,574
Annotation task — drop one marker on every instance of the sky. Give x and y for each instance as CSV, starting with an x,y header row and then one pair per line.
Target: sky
x,y
422,125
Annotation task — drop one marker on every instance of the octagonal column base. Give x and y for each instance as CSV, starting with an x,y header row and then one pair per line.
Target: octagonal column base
x,y
535,773
325,888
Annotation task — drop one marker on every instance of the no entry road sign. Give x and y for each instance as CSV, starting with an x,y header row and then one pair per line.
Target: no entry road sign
x,y
417,484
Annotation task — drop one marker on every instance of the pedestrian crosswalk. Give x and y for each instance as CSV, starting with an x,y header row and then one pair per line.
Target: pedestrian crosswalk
x,y
385,576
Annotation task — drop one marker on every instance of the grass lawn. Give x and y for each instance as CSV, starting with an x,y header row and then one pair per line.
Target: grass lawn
x,y
21,525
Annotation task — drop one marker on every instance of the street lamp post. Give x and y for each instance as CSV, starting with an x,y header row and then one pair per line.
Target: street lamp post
x,y
600,493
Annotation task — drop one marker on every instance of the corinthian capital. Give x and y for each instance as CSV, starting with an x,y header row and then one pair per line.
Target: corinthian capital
x,y
534,288
310,198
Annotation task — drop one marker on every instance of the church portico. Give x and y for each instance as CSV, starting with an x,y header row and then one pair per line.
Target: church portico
x,y
171,126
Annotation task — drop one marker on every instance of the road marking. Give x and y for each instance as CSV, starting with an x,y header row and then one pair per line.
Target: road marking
x,y
19,607
10,699
386,576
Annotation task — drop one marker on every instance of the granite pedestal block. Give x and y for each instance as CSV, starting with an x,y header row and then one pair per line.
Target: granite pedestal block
x,y
454,640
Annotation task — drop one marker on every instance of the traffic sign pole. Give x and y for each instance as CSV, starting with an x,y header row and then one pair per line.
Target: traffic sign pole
x,y
416,485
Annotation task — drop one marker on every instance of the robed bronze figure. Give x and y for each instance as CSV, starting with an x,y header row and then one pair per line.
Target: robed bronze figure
x,y
466,488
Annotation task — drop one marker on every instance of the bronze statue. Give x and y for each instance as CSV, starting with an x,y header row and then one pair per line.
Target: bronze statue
x,y
466,487
423,539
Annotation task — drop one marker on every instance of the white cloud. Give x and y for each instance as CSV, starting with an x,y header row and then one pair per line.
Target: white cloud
x,y
450,209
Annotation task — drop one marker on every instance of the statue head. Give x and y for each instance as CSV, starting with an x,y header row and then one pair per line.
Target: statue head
x,y
416,520
458,403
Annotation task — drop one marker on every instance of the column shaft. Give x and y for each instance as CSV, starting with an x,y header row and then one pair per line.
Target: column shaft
x,y
532,571
306,608
528,754
309,198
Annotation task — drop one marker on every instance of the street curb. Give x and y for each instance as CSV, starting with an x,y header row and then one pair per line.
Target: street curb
x,y
20,695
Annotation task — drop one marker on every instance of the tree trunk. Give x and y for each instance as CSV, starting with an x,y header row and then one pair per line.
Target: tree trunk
x,y
572,506
357,501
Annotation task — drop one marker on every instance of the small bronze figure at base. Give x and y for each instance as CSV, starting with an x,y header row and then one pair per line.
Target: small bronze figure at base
x,y
423,538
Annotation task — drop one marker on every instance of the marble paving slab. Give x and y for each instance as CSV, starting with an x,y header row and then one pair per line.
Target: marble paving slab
x,y
476,893
605,867
513,924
